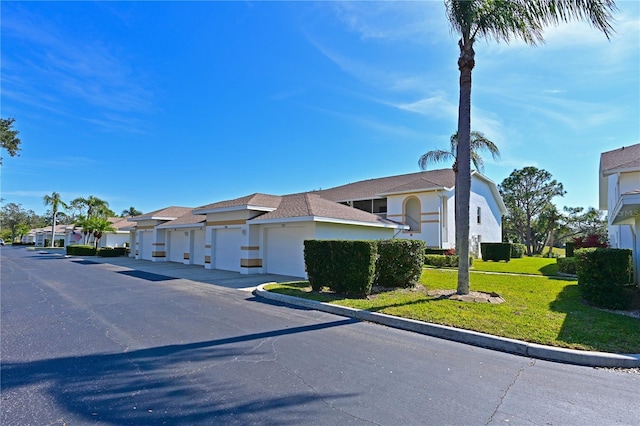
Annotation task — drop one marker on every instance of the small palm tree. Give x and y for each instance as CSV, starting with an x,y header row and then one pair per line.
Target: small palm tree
x,y
479,142
55,202
100,225
501,21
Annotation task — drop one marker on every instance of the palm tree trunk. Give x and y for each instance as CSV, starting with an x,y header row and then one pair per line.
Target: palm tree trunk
x,y
466,62
53,228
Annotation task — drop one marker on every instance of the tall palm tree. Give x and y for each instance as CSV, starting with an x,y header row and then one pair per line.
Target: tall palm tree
x,y
131,211
55,202
501,21
478,142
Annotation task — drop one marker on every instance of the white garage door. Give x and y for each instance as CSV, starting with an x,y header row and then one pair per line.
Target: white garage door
x,y
178,244
285,250
198,247
227,249
146,245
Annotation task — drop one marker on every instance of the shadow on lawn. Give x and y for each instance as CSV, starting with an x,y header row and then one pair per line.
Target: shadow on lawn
x,y
592,328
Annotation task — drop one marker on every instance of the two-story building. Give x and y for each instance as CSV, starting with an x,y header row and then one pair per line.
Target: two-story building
x,y
619,195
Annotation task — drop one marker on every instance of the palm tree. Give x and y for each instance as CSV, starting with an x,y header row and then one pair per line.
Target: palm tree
x,y
501,21
99,225
478,142
131,211
55,202
94,206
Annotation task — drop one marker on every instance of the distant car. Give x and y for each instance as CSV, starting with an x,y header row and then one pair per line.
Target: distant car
x,y
1,242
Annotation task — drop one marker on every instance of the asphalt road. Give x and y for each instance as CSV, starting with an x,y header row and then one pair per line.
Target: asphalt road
x,y
90,343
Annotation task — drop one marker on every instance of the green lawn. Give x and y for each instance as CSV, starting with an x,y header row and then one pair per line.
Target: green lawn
x,y
524,265
537,309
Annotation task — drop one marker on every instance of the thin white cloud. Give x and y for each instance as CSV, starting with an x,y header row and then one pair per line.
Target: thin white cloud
x,y
60,72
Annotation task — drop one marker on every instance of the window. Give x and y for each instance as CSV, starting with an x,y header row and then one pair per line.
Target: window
x,y
479,215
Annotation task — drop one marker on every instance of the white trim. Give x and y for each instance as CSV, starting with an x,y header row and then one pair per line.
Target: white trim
x,y
326,220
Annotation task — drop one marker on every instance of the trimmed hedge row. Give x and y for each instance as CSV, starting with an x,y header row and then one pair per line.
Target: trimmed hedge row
x,y
440,251
496,251
81,250
441,261
569,248
603,274
567,265
517,250
399,262
352,267
112,251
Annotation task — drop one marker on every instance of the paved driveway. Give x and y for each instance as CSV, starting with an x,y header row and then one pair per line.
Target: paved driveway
x,y
189,272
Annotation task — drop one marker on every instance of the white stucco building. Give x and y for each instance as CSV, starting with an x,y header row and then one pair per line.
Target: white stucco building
x,y
262,233
619,195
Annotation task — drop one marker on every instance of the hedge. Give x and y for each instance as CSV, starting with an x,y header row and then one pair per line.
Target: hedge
x,y
517,250
81,250
399,262
346,267
432,250
567,265
441,261
496,251
112,252
569,247
603,274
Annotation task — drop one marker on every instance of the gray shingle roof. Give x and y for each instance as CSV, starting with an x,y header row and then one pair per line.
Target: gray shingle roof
x,y
312,205
187,219
172,212
256,199
372,188
621,158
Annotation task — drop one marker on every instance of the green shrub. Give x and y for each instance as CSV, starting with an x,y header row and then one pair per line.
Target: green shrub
x,y
566,265
435,250
569,248
81,250
442,261
111,252
496,251
60,242
603,274
346,267
517,250
399,262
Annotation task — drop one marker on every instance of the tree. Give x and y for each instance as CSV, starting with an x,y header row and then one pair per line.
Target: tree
x,y
99,225
15,218
501,21
55,202
527,193
91,206
9,137
131,211
478,142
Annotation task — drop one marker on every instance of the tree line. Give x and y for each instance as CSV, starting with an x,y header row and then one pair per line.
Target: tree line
x,y
91,215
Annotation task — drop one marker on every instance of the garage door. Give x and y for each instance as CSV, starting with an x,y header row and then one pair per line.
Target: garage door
x,y
285,250
146,245
227,249
198,247
177,245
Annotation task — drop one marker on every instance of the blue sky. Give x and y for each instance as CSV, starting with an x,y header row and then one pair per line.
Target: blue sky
x,y
173,103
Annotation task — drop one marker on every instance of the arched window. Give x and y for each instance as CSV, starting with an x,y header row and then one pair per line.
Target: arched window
x,y
412,214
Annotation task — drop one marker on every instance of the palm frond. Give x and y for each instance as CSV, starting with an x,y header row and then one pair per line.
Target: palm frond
x,y
435,156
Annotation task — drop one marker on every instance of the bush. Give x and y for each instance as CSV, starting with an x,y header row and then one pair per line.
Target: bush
x,y
399,262
517,250
496,251
60,242
81,250
112,252
603,274
346,267
567,265
432,250
569,248
442,261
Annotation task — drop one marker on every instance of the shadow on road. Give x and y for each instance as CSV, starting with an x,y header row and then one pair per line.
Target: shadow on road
x,y
184,383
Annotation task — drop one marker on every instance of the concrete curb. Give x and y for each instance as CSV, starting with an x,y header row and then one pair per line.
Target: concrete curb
x,y
474,338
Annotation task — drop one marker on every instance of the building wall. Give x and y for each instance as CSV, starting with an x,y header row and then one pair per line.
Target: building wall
x,y
429,220
490,227
620,236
